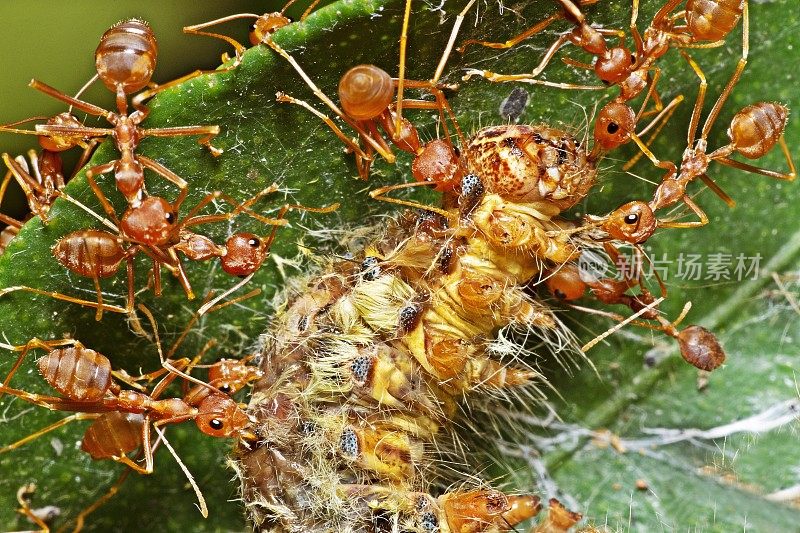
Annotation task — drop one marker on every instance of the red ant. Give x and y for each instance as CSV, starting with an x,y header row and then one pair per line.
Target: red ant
x,y
367,93
263,26
122,419
125,60
616,122
154,229
753,132
698,346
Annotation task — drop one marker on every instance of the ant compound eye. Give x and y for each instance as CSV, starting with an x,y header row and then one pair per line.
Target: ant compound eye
x,y
612,127
631,219
225,388
633,59
169,217
254,242
216,424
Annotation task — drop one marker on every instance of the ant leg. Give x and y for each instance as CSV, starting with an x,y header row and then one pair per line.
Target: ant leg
x,y
669,166
28,185
380,194
711,184
59,296
207,133
450,43
658,122
788,176
651,93
698,105
196,30
13,222
201,501
441,104
81,518
349,143
712,115
163,171
495,77
192,219
401,71
86,107
513,41
624,322
85,156
308,10
99,170
695,209
48,429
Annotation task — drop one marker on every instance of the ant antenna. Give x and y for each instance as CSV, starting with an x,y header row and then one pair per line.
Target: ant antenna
x,y
591,344
202,501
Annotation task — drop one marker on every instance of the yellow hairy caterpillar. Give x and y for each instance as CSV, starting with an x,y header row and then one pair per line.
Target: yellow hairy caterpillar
x,y
366,370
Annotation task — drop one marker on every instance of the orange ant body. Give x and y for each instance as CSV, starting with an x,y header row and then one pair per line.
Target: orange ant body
x,y
154,229
707,24
370,98
698,346
125,61
43,179
753,132
122,419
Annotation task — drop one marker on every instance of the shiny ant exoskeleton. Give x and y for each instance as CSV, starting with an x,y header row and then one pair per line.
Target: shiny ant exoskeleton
x,y
125,61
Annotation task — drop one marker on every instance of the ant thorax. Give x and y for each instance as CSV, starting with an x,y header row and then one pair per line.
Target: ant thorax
x,y
531,164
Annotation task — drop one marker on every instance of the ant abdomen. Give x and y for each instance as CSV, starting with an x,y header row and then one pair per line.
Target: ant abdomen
x,y
90,253
126,56
566,283
113,434
700,348
365,91
76,372
755,129
712,20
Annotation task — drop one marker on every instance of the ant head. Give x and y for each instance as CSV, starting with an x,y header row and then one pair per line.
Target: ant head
x,y
126,56
59,143
566,283
245,252
614,124
700,348
220,416
365,91
440,164
633,222
615,65
265,25
151,223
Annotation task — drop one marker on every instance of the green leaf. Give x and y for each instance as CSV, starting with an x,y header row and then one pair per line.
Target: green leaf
x,y
689,483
